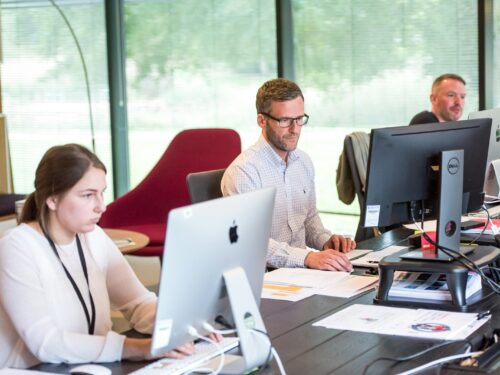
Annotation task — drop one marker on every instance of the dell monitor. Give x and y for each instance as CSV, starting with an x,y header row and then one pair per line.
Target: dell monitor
x,y
213,266
436,170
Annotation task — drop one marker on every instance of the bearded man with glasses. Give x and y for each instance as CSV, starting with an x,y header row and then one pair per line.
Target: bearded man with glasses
x,y
275,161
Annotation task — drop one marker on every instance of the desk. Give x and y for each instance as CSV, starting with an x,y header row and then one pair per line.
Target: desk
x,y
127,241
305,349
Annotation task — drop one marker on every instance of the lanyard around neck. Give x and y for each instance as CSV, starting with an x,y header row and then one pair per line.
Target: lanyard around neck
x,y
90,317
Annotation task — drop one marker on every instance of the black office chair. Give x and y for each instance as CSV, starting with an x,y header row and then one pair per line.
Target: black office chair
x,y
204,186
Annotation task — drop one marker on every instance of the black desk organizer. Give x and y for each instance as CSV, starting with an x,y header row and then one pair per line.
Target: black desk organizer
x,y
456,277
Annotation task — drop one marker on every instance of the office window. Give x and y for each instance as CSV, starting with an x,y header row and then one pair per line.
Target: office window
x,y
194,64
44,95
365,64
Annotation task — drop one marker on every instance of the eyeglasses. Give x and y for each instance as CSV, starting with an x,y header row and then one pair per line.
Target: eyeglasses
x,y
286,122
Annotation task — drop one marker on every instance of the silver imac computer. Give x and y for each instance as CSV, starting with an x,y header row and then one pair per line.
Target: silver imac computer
x,y
213,266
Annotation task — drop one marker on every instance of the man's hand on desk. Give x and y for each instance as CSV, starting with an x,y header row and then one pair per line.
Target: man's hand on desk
x,y
340,243
329,260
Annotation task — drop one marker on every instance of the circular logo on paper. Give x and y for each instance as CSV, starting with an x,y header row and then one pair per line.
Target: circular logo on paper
x,y
453,165
430,327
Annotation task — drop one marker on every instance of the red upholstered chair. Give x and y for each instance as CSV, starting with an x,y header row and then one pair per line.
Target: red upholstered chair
x,y
144,209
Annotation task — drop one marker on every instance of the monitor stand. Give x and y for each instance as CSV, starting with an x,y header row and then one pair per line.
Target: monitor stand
x,y
254,346
448,236
451,178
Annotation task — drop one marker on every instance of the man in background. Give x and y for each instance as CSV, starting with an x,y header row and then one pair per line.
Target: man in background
x,y
275,161
447,100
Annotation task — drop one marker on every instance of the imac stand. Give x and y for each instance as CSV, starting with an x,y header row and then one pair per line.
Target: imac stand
x,y
254,346
448,236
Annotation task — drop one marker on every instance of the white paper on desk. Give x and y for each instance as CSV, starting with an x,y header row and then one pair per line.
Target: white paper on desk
x,y
284,293
422,323
349,287
304,277
373,258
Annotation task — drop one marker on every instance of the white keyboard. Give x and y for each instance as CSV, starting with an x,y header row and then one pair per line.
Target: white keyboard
x,y
204,352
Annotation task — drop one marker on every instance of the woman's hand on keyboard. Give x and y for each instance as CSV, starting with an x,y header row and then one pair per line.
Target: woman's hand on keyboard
x,y
140,349
217,337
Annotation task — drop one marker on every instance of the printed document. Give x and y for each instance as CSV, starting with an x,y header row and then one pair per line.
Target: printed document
x,y
422,323
293,284
432,286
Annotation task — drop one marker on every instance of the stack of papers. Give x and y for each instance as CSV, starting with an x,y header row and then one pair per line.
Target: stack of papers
x,y
293,284
423,323
433,286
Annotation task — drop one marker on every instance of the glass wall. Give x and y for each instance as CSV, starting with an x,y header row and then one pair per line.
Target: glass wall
x,y
44,92
366,64
361,64
194,64
496,54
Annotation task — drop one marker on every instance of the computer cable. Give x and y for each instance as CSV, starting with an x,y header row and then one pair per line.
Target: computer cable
x,y
417,354
211,328
272,352
465,261
450,358
456,255
269,354
444,249
194,332
488,220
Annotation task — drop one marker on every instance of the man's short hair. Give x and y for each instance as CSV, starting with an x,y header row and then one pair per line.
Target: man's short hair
x,y
278,90
442,77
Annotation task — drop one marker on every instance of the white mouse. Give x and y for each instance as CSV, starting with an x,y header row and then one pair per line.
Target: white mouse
x,y
90,369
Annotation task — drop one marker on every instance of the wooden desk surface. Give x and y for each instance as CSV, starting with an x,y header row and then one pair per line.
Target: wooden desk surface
x,y
305,349
127,241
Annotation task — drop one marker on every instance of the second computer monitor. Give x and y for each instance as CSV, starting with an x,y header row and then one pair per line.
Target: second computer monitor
x,y
403,172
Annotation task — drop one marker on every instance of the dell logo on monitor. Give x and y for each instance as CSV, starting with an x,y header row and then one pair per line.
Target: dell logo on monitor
x,y
233,234
453,165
